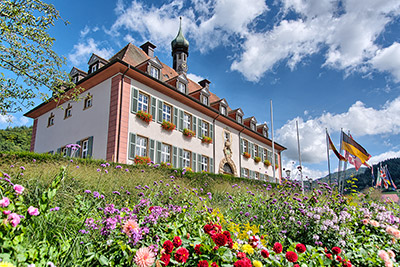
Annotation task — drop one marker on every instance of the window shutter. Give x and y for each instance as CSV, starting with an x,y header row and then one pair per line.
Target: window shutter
x,y
262,153
69,152
160,108
241,146
175,116
153,108
132,145
211,134
175,157
241,172
51,152
194,162
199,123
180,120
199,161
134,101
211,165
152,156
251,175
158,158
251,148
194,126
90,146
59,150
180,157
78,151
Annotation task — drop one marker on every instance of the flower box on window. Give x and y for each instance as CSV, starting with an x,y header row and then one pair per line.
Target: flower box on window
x,y
276,166
267,163
144,116
141,160
246,155
257,159
188,133
206,139
168,126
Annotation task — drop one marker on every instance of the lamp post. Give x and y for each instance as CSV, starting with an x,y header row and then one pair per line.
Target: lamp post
x,y
287,174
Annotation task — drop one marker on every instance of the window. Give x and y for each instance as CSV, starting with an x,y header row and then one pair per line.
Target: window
x,y
93,68
245,146
269,156
181,87
187,121
50,121
75,79
204,128
143,102
204,100
64,151
186,159
154,72
255,150
246,172
167,112
68,111
141,146
223,110
240,119
84,148
253,126
265,154
204,163
165,153
256,175
88,102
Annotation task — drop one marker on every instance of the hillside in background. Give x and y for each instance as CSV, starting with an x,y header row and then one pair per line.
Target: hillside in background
x,y
15,138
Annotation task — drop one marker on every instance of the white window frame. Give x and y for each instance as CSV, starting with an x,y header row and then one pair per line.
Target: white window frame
x,y
141,146
50,121
64,151
265,153
143,102
204,163
204,128
255,150
245,145
75,79
187,121
256,175
246,172
223,110
154,72
68,112
167,112
204,100
181,87
253,126
186,157
93,68
88,102
165,152
240,119
85,148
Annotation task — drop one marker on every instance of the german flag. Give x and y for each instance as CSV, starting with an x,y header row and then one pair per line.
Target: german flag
x,y
354,148
333,148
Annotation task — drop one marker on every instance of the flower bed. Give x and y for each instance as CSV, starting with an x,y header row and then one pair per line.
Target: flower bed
x,y
141,160
188,133
206,139
144,116
246,155
257,159
168,126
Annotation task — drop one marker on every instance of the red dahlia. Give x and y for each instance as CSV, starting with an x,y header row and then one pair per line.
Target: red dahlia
x,y
203,263
214,264
291,256
181,255
336,250
243,263
208,228
241,255
277,248
296,265
328,255
300,248
220,239
177,241
227,234
197,249
165,258
168,246
264,253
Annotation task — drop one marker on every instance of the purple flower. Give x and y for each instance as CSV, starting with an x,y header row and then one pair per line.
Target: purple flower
x,y
98,170
88,191
96,194
118,167
105,171
127,170
117,193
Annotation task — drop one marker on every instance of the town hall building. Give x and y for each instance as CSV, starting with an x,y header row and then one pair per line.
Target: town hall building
x,y
135,105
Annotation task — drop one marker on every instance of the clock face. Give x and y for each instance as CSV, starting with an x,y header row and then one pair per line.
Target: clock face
x,y
184,65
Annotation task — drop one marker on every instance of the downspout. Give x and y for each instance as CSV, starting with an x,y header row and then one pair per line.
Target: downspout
x,y
215,129
240,156
120,111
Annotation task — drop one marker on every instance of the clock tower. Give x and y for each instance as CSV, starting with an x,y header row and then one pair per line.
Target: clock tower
x,y
180,51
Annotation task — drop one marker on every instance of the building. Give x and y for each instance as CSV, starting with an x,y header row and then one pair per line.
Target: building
x,y
110,121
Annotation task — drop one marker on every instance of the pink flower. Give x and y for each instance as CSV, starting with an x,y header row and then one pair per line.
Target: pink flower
x,y
144,257
391,253
14,219
19,188
6,212
4,202
130,227
388,263
383,255
374,223
365,221
33,211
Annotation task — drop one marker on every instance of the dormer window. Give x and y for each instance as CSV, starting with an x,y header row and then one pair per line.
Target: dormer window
x,y
75,79
154,72
204,100
223,110
253,126
181,87
93,68
265,133
240,119
68,112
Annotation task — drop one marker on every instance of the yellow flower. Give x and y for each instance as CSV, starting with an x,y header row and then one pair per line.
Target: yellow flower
x,y
257,263
6,264
235,246
248,249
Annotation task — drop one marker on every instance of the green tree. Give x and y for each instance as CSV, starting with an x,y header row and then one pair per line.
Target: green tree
x,y
15,139
28,65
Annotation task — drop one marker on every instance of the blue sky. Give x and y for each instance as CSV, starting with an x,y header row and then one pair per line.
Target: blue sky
x,y
327,64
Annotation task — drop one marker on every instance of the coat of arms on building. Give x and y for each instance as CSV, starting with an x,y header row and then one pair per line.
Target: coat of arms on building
x,y
227,166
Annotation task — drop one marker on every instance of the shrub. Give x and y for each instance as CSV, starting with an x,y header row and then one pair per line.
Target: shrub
x,y
188,132
144,116
168,126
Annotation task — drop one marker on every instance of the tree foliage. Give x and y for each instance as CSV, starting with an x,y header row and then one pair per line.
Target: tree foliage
x,y
28,64
15,139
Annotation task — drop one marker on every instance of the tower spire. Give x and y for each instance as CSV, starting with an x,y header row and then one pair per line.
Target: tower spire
x,y
180,50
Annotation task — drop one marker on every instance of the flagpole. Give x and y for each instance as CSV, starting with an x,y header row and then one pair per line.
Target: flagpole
x,y
298,148
327,154
340,182
273,144
344,167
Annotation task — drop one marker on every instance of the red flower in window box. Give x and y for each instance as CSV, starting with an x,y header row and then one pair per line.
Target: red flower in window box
x,y
206,139
267,163
257,159
246,155
168,126
188,133
144,116
141,160
276,166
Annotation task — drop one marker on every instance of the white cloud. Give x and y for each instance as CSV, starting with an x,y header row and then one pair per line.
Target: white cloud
x,y
388,59
359,119
82,51
194,77
11,120
85,31
384,156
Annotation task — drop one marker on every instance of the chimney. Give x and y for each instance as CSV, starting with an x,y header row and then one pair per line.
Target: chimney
x,y
204,83
148,48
